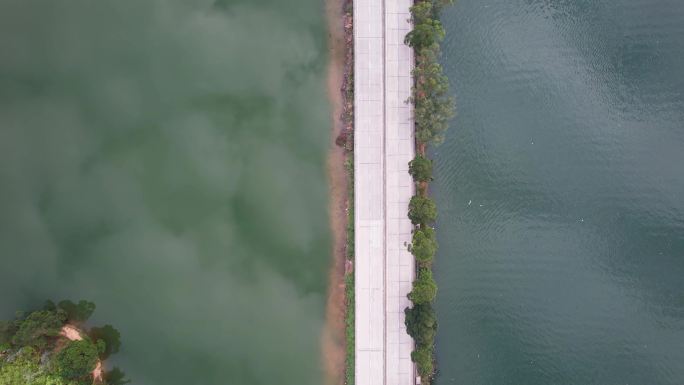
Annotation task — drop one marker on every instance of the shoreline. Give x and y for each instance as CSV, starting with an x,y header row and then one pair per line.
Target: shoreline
x,y
334,332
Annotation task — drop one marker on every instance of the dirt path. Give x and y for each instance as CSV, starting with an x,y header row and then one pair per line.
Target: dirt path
x,y
334,332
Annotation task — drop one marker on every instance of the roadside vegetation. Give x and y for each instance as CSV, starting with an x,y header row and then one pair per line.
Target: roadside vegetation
x,y
433,108
36,350
346,140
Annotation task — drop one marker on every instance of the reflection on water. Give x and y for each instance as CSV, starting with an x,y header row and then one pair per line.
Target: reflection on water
x,y
165,159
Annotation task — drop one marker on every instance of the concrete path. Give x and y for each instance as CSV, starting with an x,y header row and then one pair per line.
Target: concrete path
x,y
383,146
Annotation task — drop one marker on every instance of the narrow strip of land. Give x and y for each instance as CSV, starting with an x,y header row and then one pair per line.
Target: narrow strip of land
x,y
383,147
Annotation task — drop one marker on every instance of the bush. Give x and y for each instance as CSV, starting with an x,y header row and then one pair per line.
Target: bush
x,y
111,338
116,377
423,359
422,210
433,105
424,245
424,35
421,324
38,328
424,287
25,369
77,360
420,169
7,330
77,313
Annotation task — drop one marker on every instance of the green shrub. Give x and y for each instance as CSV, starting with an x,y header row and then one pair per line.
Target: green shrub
x,y
421,324
37,329
115,377
424,245
420,169
77,360
109,336
433,105
350,329
424,287
25,369
422,210
77,313
423,359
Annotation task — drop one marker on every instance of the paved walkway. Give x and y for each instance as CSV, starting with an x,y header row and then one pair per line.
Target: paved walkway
x,y
383,146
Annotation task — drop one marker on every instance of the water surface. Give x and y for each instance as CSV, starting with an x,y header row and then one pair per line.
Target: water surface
x,y
165,159
561,194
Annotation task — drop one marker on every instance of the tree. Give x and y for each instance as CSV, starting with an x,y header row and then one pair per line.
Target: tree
x,y
421,324
7,330
422,210
437,6
434,106
424,246
77,360
420,169
111,338
424,287
423,359
421,11
77,313
116,377
25,369
426,34
38,327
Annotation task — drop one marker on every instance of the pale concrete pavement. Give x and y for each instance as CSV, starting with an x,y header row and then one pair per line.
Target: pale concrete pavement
x,y
383,145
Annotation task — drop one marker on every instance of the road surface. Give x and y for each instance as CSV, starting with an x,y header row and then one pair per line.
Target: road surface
x,y
383,146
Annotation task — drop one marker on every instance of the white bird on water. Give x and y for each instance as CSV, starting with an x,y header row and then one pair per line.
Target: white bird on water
x,y
469,202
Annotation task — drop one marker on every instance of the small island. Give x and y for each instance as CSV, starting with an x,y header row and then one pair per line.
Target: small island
x,y
52,346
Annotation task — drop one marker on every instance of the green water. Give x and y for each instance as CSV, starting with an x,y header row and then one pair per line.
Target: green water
x,y
166,159
561,194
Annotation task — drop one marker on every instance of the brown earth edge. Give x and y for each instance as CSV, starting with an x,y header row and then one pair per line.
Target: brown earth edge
x,y
333,338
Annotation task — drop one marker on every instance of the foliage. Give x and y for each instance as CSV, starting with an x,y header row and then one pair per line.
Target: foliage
x,y
25,369
31,354
422,210
110,336
77,313
420,169
349,328
433,108
433,105
424,245
423,359
77,360
7,330
425,34
421,324
349,166
38,328
116,377
424,287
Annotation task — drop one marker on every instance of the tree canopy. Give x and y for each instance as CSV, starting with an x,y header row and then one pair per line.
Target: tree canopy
x,y
424,287
77,360
424,245
111,338
77,313
421,323
38,328
422,210
420,169
33,351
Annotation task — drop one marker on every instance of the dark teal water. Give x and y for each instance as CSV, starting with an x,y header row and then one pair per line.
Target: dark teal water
x,y
166,160
561,194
